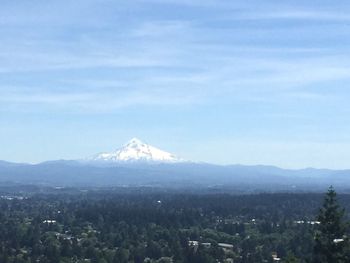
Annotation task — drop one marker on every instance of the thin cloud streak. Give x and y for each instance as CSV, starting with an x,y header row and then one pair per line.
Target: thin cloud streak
x,y
98,102
277,77
294,15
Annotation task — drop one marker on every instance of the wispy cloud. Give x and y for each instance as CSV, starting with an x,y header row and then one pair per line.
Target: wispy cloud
x,y
294,15
235,78
94,101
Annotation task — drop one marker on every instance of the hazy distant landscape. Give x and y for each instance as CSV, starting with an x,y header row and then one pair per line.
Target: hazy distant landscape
x,y
138,164
174,131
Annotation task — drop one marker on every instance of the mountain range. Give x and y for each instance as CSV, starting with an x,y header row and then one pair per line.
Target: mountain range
x,y
139,164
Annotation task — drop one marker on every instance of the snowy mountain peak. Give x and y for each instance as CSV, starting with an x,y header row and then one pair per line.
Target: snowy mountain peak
x,y
134,142
136,150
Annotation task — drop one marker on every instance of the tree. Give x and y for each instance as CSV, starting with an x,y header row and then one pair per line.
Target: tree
x,y
291,258
330,239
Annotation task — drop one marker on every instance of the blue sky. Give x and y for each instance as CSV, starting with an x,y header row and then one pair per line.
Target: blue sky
x,y
250,82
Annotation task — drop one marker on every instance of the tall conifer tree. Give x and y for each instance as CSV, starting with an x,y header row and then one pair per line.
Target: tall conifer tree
x,y
331,240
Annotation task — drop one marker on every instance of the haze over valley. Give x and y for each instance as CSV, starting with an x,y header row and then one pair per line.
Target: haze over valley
x,y
139,164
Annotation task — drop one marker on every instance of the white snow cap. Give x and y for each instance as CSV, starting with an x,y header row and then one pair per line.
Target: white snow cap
x,y
136,150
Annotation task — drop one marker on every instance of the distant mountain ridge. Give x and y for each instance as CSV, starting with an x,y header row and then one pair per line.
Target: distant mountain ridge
x,y
139,164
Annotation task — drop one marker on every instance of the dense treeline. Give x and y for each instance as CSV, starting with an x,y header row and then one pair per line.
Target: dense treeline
x,y
159,227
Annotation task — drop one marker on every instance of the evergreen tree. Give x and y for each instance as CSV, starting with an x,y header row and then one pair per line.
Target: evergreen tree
x,y
330,240
291,258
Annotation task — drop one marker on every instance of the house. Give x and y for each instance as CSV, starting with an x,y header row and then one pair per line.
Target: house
x,y
49,221
275,257
225,245
193,243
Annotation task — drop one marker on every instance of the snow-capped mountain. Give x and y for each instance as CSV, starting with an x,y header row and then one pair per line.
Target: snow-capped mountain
x,y
136,151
